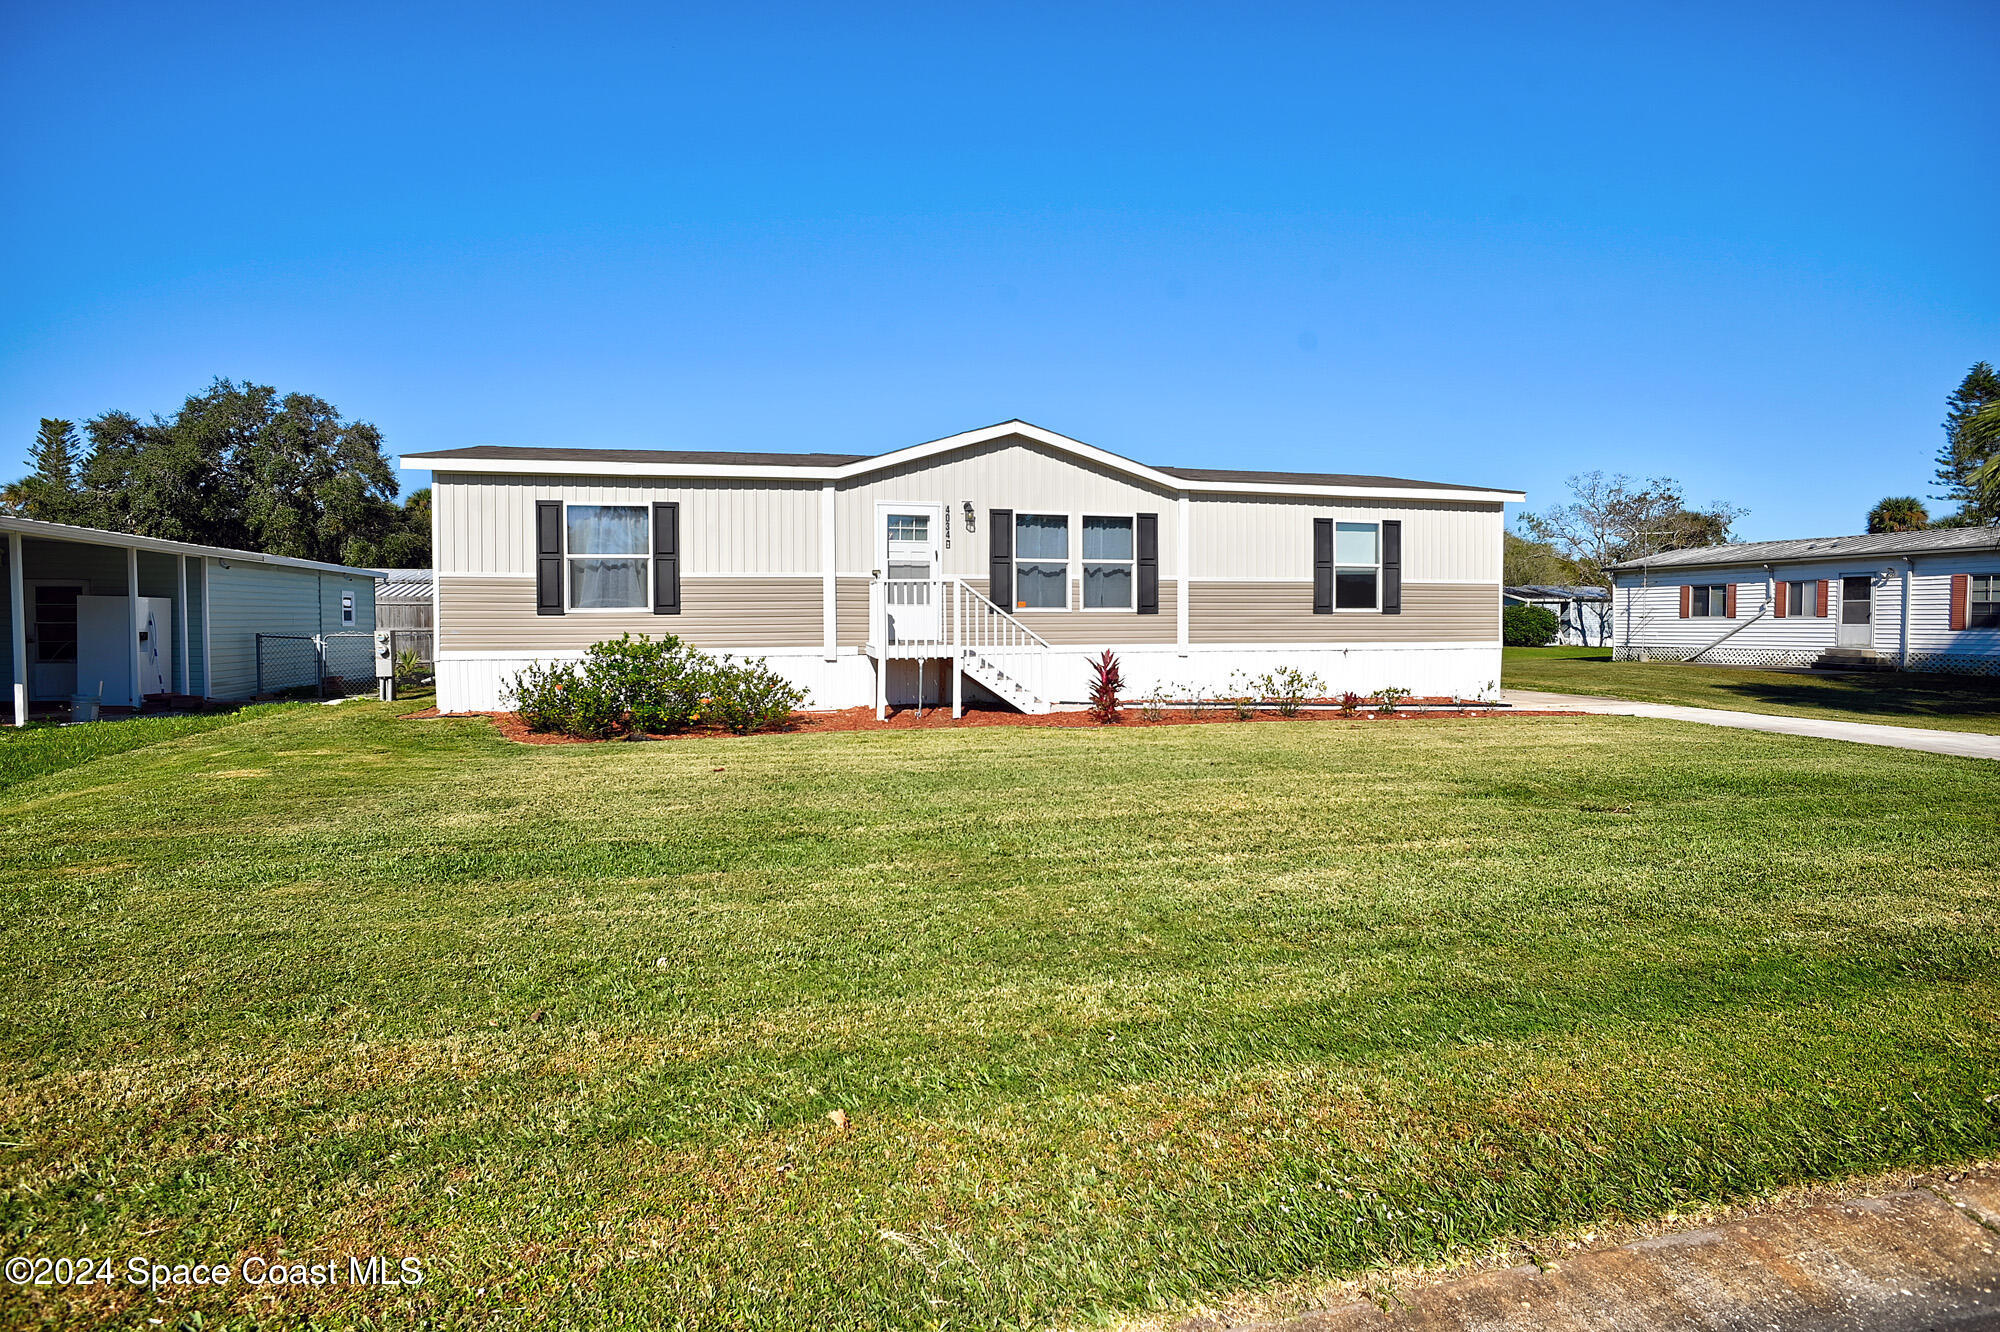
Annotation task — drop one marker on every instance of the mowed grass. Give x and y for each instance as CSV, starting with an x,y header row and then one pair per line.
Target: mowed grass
x,y
1120,1019
42,748
1938,702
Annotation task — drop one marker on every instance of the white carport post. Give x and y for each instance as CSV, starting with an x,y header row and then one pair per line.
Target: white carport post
x,y
132,621
17,602
184,678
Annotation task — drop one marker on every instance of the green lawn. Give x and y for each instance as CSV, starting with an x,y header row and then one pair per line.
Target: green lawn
x,y
42,748
1121,1018
1940,702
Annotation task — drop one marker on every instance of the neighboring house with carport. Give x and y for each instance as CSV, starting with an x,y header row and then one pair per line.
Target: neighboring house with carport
x,y
992,563
1917,601
1583,614
126,618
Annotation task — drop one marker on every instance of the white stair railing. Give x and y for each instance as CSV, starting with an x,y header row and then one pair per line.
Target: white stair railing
x,y
947,617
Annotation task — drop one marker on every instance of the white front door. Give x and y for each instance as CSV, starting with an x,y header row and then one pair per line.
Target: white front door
x,y
910,538
1857,612
52,639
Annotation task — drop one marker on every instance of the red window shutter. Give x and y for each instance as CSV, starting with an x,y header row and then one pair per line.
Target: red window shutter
x,y
1961,598
1729,603
1821,612
1780,592
1687,601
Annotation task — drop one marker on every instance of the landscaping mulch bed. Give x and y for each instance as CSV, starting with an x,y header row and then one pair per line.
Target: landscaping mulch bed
x,y
511,726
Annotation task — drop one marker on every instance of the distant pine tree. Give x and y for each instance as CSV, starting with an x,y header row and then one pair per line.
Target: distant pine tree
x,y
1968,447
49,491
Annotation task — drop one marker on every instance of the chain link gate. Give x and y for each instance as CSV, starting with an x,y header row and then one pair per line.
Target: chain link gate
x,y
337,665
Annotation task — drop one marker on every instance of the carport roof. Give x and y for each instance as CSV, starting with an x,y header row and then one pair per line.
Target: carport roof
x,y
97,536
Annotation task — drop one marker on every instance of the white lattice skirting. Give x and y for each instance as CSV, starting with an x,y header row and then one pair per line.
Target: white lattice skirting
x,y
1931,663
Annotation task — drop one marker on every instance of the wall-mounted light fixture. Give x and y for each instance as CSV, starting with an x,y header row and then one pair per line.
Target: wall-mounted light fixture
x,y
969,524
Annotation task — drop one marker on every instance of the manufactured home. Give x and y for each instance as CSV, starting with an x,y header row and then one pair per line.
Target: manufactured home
x,y
1916,601
1583,613
114,619
987,566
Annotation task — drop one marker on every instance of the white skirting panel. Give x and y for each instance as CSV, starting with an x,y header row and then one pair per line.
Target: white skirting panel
x,y
478,681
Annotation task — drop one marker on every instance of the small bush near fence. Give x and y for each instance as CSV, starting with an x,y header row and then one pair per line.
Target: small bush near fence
x,y
1528,626
654,687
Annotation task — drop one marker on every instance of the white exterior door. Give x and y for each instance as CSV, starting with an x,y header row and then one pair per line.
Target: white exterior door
x,y
910,540
1857,612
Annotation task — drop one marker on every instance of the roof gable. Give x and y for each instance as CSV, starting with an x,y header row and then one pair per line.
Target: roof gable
x,y
845,466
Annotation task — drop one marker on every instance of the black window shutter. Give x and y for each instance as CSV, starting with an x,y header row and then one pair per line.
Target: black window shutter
x,y
1322,566
1149,563
548,557
1392,568
1000,560
666,559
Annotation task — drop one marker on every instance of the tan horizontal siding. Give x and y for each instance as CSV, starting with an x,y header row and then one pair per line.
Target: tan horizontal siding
x,y
1283,613
850,611
498,614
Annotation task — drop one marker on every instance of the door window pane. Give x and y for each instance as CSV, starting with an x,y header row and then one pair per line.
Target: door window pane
x,y
55,623
607,529
1854,598
909,527
599,584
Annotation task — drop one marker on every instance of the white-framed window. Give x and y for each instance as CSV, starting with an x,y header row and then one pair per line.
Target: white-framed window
x,y
1708,600
1801,599
1108,561
1982,606
1041,561
608,550
909,527
347,608
1357,566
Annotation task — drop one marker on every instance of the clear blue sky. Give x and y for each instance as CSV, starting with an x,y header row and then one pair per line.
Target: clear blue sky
x,y
1749,246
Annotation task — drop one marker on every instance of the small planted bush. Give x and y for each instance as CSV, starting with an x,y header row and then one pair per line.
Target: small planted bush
x,y
1387,698
1107,682
1350,703
1153,707
1288,688
750,696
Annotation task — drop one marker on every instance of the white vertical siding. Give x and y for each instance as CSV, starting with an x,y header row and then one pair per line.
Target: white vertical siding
x,y
1009,474
1243,537
486,524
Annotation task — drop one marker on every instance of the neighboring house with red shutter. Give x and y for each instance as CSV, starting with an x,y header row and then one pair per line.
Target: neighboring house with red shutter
x,y
992,564
1918,601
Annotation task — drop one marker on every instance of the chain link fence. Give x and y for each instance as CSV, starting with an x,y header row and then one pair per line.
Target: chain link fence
x,y
316,665
411,650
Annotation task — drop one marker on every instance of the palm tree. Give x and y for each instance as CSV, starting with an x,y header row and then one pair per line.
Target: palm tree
x,y
1899,513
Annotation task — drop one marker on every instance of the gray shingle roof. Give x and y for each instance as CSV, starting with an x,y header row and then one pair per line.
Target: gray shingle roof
x,y
1303,478
1824,548
664,457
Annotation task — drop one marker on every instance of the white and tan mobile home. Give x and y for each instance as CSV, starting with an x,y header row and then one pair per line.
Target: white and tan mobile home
x,y
991,564
1918,601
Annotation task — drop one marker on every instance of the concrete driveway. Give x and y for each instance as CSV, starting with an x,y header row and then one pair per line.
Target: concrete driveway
x,y
1963,744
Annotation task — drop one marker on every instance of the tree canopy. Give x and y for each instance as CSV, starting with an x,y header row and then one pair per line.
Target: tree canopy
x,y
237,465
1615,518
1969,463
1898,513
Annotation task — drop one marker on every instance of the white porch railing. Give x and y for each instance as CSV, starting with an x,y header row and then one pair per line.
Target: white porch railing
x,y
924,618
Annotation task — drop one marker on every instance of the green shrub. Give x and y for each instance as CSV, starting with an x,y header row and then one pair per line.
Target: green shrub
x,y
657,684
562,698
750,696
1528,626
